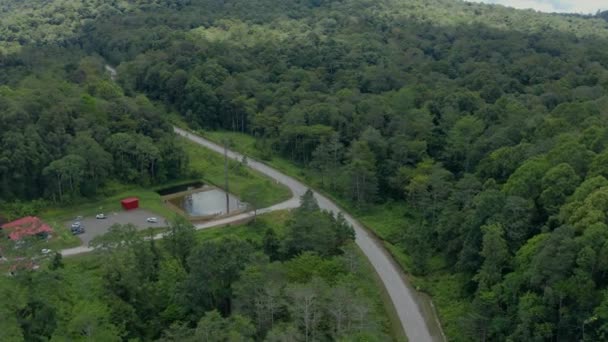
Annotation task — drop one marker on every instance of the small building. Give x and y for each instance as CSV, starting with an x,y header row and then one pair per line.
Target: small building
x,y
26,226
130,203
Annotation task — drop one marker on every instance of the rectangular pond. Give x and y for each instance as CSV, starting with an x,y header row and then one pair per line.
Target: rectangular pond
x,y
207,202
179,188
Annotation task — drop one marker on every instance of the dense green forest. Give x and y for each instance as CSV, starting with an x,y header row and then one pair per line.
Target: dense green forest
x,y
488,124
283,278
67,132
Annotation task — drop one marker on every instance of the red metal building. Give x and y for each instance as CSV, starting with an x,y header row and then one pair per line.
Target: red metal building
x,y
130,203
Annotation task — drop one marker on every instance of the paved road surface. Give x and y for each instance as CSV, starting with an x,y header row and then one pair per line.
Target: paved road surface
x,y
404,298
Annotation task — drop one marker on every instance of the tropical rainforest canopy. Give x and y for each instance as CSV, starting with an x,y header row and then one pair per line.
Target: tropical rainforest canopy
x,y
490,125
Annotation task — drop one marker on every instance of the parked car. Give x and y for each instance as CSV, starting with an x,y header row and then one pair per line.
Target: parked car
x,y
100,216
77,228
77,231
152,220
45,251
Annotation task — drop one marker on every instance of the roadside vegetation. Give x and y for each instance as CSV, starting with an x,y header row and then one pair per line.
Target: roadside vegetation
x,y
254,281
472,138
209,167
387,221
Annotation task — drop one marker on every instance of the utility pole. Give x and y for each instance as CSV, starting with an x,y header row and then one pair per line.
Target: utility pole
x,y
226,177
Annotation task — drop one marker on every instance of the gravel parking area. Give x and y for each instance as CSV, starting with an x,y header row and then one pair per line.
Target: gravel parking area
x,y
94,227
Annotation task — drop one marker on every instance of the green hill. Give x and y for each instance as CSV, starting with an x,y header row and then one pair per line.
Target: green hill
x,y
473,138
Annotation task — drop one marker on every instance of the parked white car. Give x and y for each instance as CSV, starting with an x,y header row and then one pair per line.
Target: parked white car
x,y
100,216
45,251
152,220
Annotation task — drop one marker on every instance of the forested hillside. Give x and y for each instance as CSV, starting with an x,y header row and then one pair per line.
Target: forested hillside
x,y
65,136
489,125
67,129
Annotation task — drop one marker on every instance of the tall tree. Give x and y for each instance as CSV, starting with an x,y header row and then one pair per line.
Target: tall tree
x,y
214,266
362,179
326,159
180,239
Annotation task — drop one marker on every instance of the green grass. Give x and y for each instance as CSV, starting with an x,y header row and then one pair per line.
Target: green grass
x,y
388,220
253,231
451,302
148,199
246,144
241,178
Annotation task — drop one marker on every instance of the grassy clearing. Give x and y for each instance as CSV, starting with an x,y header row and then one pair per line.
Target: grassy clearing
x,y
148,199
211,166
253,231
62,237
207,164
246,144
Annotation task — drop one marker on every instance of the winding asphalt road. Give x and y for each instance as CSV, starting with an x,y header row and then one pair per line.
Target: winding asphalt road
x,y
405,299
416,314
416,317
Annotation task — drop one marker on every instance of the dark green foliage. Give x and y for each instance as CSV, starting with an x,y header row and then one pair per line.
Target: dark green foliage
x,y
57,262
271,244
63,140
214,265
134,287
313,230
180,240
489,123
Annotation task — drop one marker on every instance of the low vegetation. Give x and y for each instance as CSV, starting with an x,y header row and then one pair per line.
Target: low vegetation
x,y
209,166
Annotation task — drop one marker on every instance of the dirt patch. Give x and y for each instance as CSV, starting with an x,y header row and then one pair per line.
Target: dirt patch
x,y
95,227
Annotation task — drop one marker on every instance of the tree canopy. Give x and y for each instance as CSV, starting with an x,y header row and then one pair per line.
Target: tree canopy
x,y
487,124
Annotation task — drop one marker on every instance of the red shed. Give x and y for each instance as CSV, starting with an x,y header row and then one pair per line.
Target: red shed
x,y
130,203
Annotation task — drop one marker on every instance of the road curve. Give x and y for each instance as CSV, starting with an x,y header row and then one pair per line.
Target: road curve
x,y
403,297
